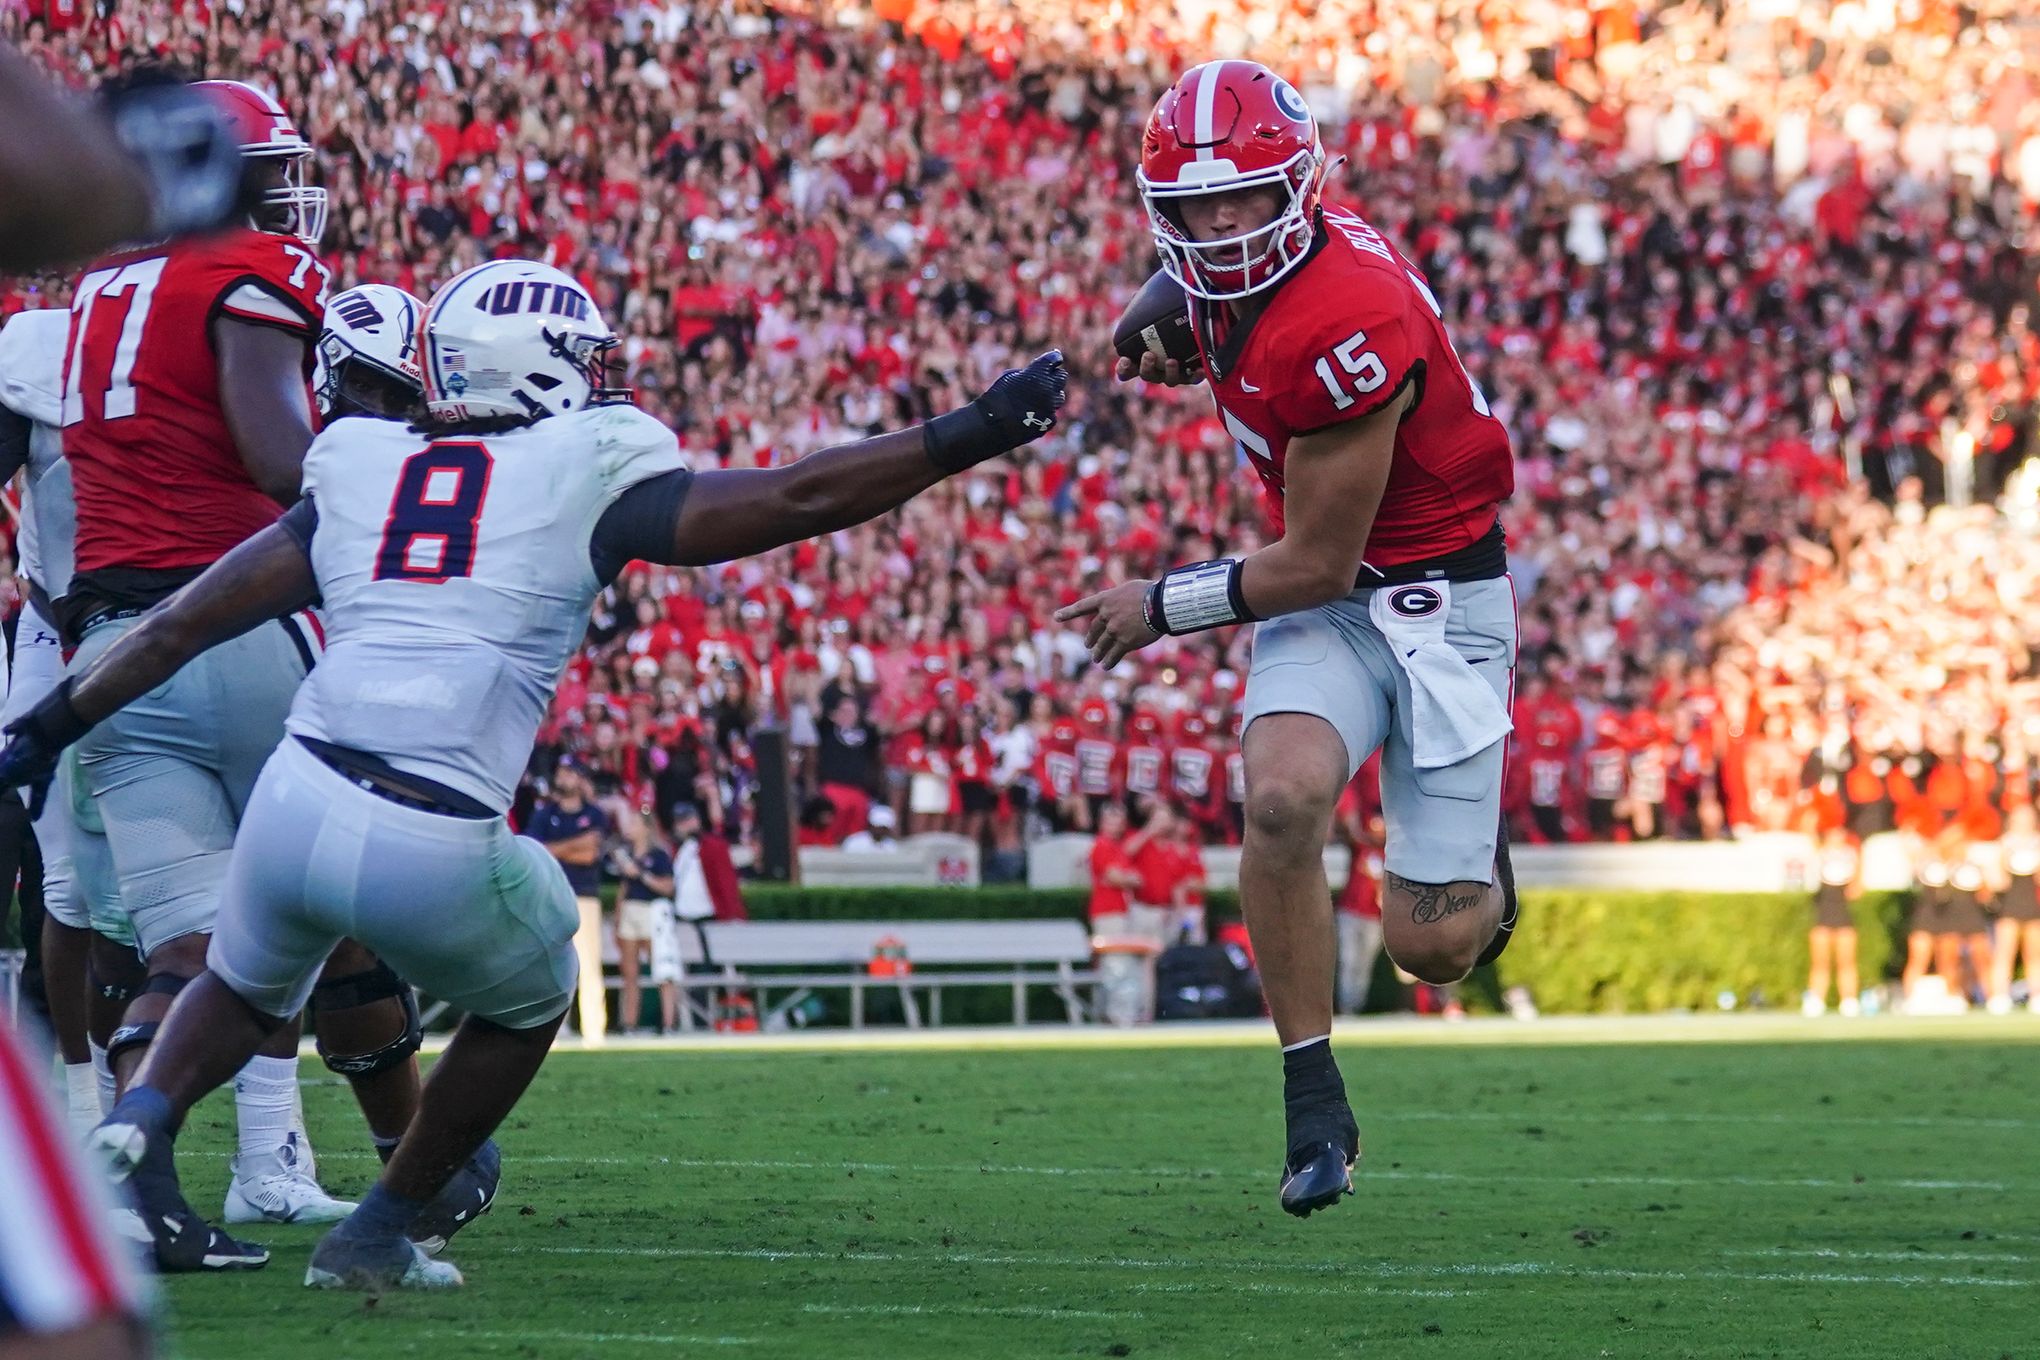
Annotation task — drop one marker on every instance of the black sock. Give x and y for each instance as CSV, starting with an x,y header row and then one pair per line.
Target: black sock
x,y
1314,1095
1505,877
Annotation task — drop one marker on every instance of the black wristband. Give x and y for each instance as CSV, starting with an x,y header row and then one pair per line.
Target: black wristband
x,y
963,438
55,720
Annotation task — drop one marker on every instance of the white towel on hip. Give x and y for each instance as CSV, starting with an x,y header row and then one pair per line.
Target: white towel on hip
x,y
1454,713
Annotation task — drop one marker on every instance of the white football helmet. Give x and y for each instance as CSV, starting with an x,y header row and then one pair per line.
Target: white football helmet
x,y
514,339
367,360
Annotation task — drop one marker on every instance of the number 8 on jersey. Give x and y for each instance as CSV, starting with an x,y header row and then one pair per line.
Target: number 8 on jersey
x,y
430,534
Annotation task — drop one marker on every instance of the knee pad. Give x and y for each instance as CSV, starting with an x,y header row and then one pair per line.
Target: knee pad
x,y
127,1037
116,990
365,989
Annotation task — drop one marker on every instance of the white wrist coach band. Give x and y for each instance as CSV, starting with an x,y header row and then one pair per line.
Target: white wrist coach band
x,y
1201,595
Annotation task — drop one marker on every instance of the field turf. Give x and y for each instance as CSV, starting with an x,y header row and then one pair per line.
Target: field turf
x,y
1526,1192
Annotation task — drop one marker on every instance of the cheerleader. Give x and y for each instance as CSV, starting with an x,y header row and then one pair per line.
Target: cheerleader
x,y
1831,942
2018,918
1927,922
1968,924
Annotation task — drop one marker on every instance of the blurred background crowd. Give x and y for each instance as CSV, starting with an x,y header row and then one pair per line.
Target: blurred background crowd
x,y
1750,282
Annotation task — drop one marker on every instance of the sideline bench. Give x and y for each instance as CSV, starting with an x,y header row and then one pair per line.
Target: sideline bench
x,y
818,955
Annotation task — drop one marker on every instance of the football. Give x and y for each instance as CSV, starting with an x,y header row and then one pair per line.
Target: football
x,y
1157,321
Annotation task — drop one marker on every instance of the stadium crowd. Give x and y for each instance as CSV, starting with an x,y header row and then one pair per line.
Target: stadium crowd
x,y
1736,275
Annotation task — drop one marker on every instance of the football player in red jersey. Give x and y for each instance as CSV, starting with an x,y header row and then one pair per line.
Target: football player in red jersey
x,y
1391,623
186,414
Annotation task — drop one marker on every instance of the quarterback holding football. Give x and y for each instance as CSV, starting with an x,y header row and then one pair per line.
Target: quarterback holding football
x,y
1388,617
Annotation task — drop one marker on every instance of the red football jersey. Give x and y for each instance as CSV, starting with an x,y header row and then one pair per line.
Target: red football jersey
x,y
158,480
1343,333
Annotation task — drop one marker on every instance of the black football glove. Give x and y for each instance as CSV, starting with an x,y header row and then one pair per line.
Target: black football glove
x,y
189,154
36,742
1017,409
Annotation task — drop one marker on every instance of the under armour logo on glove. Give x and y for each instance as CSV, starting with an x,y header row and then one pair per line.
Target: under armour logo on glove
x,y
1008,414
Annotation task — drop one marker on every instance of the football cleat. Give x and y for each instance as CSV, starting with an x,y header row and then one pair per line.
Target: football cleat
x,y
137,1157
289,1193
180,1242
1315,1176
461,1200
374,1265
1324,1147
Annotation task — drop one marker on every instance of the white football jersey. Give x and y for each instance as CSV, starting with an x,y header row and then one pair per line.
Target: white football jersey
x,y
32,384
457,582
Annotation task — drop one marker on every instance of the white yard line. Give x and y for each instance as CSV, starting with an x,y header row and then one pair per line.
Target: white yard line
x,y
590,1338
967,1310
1358,1271
1219,1174
1835,1254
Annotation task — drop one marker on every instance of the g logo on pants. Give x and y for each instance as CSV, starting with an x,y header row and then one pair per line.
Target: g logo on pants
x,y
1416,602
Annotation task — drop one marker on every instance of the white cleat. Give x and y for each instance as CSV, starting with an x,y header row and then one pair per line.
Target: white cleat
x,y
1811,1005
1999,1005
335,1267
287,1194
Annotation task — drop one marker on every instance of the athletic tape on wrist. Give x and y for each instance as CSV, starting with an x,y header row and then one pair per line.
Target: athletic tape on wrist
x,y
1200,595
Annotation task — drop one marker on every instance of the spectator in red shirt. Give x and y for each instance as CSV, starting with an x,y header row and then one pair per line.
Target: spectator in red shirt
x,y
1113,876
1191,880
1159,862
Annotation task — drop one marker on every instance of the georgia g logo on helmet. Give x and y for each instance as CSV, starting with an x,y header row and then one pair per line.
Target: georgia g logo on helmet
x,y
1222,127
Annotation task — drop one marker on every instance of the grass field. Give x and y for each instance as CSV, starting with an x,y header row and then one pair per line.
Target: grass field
x,y
1775,1195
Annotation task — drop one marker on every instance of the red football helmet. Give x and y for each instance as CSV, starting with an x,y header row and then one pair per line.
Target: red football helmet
x,y
267,133
1223,126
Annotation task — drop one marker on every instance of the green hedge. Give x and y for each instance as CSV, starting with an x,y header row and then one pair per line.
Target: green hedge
x,y
784,902
1577,951
1615,952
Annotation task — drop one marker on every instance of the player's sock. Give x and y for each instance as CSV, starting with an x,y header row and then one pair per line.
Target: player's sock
x,y
81,1095
1314,1095
265,1101
136,1136
381,1214
1505,875
102,1071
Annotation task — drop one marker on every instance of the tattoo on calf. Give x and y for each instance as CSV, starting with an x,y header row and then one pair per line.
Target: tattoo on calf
x,y
1433,901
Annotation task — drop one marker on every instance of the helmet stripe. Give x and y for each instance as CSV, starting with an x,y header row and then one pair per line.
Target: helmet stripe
x,y
432,349
1207,94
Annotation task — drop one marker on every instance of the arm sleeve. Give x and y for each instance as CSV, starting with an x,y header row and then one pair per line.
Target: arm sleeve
x,y
15,430
301,521
638,524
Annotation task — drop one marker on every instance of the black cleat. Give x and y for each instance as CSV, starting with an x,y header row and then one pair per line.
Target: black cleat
x,y
1505,874
181,1242
1324,1147
1315,1176
135,1149
461,1200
